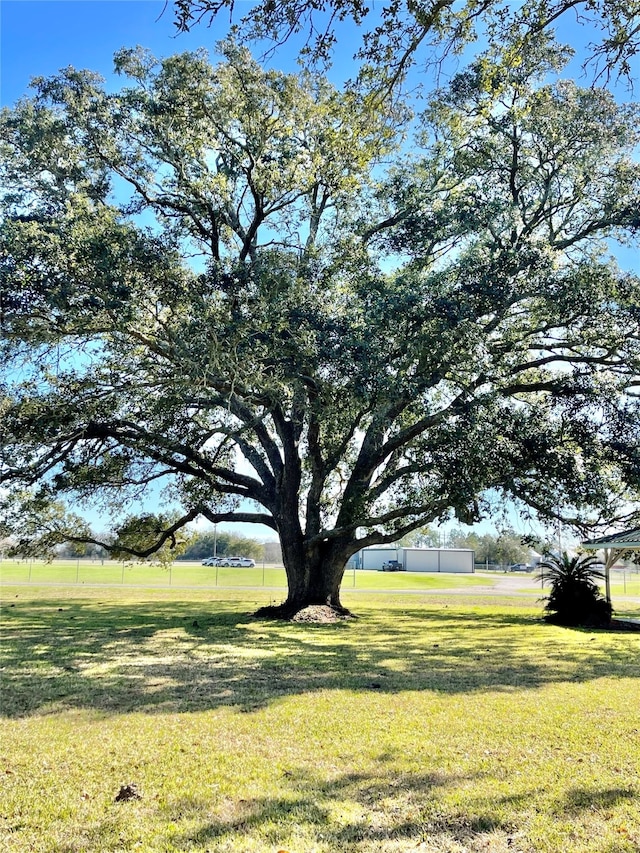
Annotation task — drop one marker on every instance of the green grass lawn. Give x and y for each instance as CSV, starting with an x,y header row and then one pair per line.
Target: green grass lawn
x,y
627,585
430,723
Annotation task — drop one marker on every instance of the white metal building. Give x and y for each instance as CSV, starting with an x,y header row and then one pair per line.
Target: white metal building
x,y
459,560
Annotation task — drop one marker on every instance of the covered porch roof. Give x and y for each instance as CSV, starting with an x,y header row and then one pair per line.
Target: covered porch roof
x,y
628,540
614,546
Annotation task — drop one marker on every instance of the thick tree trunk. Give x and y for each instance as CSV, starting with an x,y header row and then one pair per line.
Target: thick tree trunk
x,y
314,576
314,571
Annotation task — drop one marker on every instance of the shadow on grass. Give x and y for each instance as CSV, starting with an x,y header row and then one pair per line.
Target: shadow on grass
x,y
579,799
356,811
343,813
349,812
180,656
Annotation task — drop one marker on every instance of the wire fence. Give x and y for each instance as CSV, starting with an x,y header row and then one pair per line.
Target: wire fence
x,y
194,575
138,574
269,575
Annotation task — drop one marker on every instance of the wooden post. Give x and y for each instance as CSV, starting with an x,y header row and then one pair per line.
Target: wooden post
x,y
610,556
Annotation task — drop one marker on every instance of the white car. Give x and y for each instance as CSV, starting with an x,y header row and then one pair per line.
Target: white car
x,y
211,561
244,562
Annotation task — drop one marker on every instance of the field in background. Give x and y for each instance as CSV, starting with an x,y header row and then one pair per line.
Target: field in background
x,y
188,574
195,574
430,724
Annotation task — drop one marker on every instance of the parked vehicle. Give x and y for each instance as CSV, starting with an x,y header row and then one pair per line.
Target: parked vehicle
x,y
520,567
212,561
392,566
243,562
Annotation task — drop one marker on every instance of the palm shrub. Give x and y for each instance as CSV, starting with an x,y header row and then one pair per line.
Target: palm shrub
x,y
575,598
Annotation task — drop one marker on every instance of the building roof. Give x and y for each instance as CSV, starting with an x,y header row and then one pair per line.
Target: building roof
x,y
628,539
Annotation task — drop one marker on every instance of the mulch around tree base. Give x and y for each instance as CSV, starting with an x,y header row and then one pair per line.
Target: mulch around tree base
x,y
320,614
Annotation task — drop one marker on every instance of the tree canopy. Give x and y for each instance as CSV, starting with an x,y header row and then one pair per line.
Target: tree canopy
x,y
235,283
400,33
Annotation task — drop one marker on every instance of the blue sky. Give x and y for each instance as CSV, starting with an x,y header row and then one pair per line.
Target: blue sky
x,y
38,37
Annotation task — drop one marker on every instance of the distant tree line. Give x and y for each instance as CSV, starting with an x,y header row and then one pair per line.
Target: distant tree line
x,y
75,550
503,548
198,546
208,544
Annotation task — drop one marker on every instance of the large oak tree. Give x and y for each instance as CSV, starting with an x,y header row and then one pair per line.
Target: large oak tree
x,y
217,280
